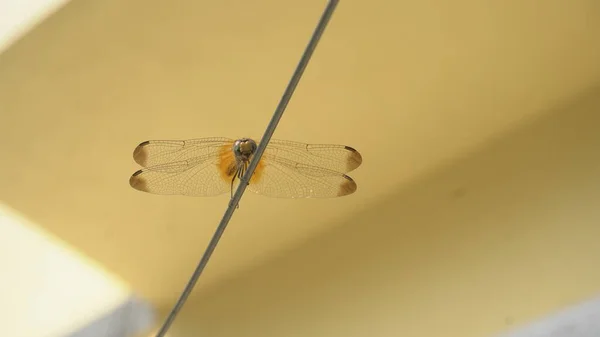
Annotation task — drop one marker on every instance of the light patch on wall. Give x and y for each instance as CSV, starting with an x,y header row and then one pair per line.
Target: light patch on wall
x,y
47,289
19,16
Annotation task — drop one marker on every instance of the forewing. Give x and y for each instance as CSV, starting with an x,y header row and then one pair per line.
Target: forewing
x,y
158,152
339,158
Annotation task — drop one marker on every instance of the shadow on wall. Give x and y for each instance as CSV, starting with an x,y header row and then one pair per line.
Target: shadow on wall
x,y
132,318
500,238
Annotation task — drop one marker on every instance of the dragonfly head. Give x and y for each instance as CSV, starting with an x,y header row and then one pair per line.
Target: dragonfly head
x,y
244,148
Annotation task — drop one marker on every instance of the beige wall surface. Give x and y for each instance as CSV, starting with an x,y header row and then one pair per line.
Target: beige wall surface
x,y
488,243
410,84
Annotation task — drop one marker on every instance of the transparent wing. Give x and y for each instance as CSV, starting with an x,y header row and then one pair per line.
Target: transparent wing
x,y
283,178
195,167
157,152
339,158
205,167
199,177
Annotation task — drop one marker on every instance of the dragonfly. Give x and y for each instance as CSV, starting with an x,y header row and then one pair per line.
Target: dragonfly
x,y
213,166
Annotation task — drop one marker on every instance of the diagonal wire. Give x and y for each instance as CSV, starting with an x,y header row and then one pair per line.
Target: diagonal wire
x,y
287,95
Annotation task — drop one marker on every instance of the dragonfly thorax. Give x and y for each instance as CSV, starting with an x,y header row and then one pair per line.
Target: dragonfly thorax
x,y
244,148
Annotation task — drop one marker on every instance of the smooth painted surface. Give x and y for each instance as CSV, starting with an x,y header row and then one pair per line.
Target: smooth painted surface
x,y
412,85
47,289
579,320
133,318
17,17
486,244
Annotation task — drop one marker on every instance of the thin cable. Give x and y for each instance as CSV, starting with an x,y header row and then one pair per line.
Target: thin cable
x,y
285,99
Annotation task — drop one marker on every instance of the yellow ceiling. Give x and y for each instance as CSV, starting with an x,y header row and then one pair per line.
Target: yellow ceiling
x,y
411,85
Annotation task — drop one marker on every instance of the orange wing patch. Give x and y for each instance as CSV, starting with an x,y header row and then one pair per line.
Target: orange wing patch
x,y
258,172
226,164
227,168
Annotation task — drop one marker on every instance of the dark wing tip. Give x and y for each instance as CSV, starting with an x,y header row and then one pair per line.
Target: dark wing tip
x,y
354,158
348,186
138,182
140,154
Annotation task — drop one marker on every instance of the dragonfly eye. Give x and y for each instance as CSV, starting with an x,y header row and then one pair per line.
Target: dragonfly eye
x,y
245,147
236,148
